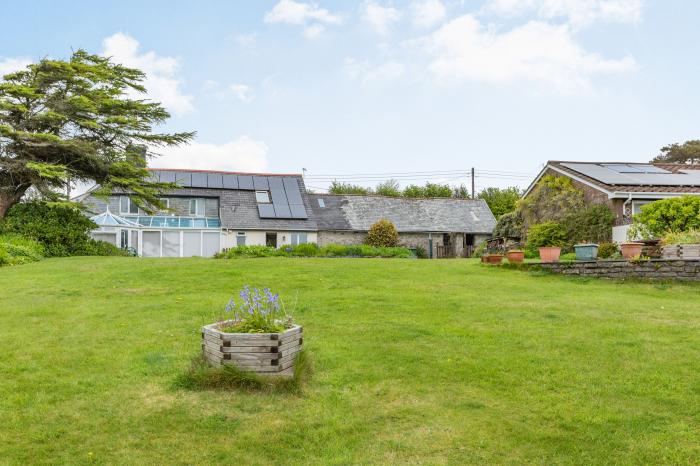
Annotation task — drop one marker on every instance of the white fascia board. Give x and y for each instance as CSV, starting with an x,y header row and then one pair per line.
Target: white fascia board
x,y
649,195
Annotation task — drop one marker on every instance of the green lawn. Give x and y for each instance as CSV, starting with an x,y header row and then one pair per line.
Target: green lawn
x,y
416,362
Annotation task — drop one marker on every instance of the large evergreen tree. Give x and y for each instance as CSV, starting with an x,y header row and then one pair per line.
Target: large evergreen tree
x,y
63,121
686,153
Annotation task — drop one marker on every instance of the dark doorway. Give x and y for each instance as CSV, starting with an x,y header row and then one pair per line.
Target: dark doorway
x,y
271,239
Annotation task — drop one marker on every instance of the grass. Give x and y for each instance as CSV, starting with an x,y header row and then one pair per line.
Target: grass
x,y
415,362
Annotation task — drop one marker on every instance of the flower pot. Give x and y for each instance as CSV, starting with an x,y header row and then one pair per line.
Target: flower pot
x,y
515,257
494,259
263,353
586,252
631,250
549,254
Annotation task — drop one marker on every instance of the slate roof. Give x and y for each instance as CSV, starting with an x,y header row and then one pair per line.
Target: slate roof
x,y
358,213
614,188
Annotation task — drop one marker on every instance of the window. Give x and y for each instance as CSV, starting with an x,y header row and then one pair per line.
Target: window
x,y
166,202
124,239
240,238
127,206
637,206
321,204
298,238
263,197
197,207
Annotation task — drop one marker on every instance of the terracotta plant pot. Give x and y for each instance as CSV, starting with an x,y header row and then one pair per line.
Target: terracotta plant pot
x,y
550,254
515,257
494,259
631,250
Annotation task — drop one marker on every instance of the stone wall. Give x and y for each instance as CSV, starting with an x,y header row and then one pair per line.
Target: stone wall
x,y
654,269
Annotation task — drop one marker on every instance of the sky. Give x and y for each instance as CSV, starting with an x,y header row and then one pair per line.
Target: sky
x,y
418,90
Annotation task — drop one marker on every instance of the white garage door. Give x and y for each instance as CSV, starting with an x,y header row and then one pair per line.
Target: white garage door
x,y
151,244
211,243
191,243
171,244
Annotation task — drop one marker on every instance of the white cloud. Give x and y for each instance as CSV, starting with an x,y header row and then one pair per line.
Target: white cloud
x,y
242,92
301,14
313,31
379,17
539,52
427,13
161,81
368,74
578,12
243,154
10,65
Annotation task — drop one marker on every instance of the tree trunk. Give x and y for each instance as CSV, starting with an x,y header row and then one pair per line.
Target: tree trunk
x,y
8,199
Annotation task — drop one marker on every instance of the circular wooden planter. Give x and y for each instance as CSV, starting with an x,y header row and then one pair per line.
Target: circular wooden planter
x,y
264,353
681,251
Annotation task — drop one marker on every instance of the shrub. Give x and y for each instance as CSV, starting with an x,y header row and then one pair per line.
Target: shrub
x,y
251,251
607,250
304,250
589,224
569,256
62,229
552,199
509,225
421,252
675,215
480,249
98,248
383,233
16,249
685,237
546,234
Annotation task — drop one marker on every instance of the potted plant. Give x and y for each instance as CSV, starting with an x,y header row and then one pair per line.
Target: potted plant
x,y
515,256
258,335
684,245
631,250
586,251
549,253
494,259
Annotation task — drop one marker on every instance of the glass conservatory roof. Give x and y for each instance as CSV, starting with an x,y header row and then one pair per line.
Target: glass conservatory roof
x,y
175,222
108,219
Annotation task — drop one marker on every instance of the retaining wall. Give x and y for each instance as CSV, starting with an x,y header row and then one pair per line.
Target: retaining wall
x,y
653,269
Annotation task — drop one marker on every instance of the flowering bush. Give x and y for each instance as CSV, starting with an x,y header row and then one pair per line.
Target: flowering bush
x,y
258,312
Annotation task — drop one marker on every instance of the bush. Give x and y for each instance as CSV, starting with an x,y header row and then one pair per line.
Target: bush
x,y
591,224
16,249
607,250
480,249
251,251
62,229
383,234
686,237
99,248
509,225
675,215
304,250
569,256
545,234
421,252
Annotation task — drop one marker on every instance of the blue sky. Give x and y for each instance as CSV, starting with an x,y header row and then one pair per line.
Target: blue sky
x,y
344,88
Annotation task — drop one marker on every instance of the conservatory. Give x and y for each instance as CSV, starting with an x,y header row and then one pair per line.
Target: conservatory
x,y
160,236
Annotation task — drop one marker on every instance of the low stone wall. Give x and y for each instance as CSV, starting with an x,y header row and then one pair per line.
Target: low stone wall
x,y
653,269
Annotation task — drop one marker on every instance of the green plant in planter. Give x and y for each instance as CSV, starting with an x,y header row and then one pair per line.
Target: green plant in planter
x,y
684,237
257,313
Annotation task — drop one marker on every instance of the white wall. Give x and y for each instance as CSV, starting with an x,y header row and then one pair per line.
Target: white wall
x,y
257,238
619,233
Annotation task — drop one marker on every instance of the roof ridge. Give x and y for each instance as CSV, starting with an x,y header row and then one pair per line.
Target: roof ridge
x,y
220,171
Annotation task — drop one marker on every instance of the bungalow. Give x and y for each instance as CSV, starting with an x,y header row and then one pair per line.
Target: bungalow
x,y
208,212
443,227
625,187
214,210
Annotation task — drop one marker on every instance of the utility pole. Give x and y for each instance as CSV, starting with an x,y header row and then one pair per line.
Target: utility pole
x,y
473,193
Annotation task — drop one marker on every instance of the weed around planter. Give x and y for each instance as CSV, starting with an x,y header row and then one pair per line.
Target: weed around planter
x,y
201,376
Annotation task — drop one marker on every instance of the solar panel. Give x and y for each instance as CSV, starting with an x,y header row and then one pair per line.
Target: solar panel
x,y
622,168
653,169
291,188
266,211
277,191
245,182
260,183
199,180
600,173
298,211
214,180
282,211
230,181
167,177
657,177
183,179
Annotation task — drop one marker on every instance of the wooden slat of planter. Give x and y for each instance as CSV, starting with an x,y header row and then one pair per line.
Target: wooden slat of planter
x,y
286,365
250,349
240,340
293,337
290,344
211,345
289,351
258,357
252,368
290,332
211,338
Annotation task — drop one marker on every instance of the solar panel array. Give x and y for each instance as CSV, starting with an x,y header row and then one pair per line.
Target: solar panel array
x,y
285,192
644,175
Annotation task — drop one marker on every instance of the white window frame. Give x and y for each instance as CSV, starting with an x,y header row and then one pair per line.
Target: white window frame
x,y
637,205
267,197
199,202
129,204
